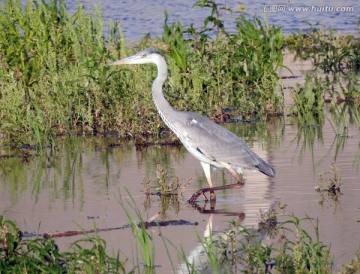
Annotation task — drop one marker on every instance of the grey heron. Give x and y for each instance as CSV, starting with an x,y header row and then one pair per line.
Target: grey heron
x,y
210,143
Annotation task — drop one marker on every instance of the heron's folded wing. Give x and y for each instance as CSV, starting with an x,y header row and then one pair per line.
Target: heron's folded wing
x,y
217,143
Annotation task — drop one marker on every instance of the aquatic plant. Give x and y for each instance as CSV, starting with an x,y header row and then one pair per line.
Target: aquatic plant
x,y
268,219
309,101
292,249
42,255
167,185
353,267
330,185
213,24
330,50
350,92
337,55
144,242
241,67
167,189
54,76
247,250
173,37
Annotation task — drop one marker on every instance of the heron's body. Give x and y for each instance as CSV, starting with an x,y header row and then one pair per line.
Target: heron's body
x,y
210,143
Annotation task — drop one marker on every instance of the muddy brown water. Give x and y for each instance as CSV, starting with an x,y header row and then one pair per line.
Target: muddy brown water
x,y
82,184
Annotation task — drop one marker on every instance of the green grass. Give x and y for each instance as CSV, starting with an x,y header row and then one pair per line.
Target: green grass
x,y
54,76
282,245
55,79
329,50
144,242
309,101
336,59
42,255
337,56
278,247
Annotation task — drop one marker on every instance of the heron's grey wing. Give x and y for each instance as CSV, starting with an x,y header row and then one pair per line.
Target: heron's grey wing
x,y
221,145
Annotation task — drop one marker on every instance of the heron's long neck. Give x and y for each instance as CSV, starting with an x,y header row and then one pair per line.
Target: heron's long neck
x,y
166,111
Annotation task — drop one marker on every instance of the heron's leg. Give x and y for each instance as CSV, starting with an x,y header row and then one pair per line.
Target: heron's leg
x,y
211,188
233,172
196,195
206,168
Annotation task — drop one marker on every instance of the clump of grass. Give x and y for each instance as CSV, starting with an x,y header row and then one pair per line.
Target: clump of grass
x,y
145,244
268,220
330,184
168,188
335,54
173,37
352,267
147,186
42,255
329,50
349,93
93,259
55,77
166,185
237,69
296,251
309,101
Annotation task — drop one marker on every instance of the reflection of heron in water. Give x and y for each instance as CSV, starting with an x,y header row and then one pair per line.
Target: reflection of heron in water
x,y
209,142
219,243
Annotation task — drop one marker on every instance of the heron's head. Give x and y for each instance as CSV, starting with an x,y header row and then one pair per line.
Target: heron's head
x,y
145,56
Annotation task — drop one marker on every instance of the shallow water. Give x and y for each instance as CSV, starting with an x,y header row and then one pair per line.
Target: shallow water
x,y
83,183
139,18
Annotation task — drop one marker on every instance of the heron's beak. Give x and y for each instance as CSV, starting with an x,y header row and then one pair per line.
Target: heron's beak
x,y
124,61
119,62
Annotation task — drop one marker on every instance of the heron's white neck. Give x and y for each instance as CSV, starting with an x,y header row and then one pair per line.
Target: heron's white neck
x,y
166,111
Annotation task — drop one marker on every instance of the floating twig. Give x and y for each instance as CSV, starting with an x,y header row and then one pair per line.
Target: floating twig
x,y
71,233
